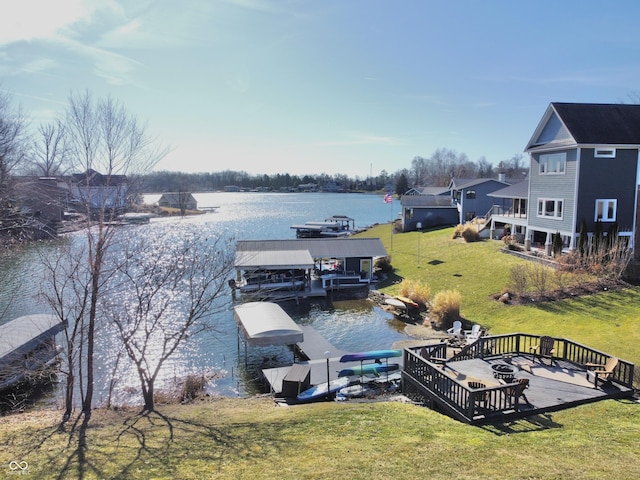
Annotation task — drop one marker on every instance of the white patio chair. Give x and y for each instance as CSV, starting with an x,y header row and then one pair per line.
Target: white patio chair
x,y
472,335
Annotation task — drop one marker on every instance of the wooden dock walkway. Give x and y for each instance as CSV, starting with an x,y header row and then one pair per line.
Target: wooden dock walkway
x,y
314,345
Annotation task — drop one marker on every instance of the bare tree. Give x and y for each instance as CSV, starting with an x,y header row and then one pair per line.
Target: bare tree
x,y
13,141
50,153
168,289
419,171
107,143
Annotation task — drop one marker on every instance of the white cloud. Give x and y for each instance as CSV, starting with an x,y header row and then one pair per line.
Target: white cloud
x,y
28,20
361,139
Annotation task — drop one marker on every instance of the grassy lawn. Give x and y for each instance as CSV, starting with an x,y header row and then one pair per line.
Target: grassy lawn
x,y
607,321
252,438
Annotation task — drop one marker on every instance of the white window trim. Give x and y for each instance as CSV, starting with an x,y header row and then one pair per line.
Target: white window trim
x,y
604,153
556,203
604,202
561,161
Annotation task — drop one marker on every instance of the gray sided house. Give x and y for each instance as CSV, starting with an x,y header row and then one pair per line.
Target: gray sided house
x,y
584,167
98,191
462,201
509,213
472,196
427,211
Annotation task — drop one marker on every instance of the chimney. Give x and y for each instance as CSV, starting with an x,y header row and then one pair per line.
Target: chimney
x,y
502,177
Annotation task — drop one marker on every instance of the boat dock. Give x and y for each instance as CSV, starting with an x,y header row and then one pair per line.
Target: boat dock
x,y
313,370
26,345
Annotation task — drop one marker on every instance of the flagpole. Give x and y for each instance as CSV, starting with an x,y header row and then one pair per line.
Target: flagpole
x,y
388,198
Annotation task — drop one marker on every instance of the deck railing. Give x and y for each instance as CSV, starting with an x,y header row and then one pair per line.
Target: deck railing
x,y
427,376
457,397
564,349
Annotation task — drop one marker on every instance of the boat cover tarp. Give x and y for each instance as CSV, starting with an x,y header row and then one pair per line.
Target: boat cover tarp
x,y
273,259
24,334
266,323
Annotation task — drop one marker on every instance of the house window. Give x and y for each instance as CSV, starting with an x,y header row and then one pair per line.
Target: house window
x,y
553,164
605,153
550,207
606,210
471,194
457,194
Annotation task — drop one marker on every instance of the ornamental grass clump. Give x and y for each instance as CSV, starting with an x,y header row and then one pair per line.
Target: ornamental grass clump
x,y
417,291
470,233
445,307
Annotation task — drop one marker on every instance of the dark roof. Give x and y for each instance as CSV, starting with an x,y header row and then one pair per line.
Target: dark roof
x,y
426,201
177,197
594,123
460,183
97,179
319,247
517,190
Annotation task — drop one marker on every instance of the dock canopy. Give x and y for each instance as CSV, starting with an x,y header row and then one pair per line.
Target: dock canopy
x,y
24,334
273,259
266,323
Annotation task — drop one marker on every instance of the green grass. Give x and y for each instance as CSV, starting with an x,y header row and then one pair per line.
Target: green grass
x,y
607,321
252,438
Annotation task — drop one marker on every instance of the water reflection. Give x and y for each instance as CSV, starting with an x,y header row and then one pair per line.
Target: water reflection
x,y
348,325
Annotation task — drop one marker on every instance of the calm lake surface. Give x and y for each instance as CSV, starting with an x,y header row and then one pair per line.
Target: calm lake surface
x,y
349,325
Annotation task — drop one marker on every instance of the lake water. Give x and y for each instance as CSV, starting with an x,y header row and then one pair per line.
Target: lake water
x,y
348,325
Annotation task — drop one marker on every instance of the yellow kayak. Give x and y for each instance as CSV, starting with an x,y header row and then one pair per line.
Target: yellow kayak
x,y
408,301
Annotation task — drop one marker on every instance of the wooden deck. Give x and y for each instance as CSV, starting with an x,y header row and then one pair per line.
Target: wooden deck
x,y
552,386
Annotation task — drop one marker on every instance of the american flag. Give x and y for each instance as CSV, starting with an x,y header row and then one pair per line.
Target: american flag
x,y
388,198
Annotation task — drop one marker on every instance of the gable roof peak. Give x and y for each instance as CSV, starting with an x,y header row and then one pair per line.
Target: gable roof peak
x,y
571,124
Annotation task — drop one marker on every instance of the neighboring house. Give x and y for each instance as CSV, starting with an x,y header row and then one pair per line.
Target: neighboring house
x,y
472,196
427,211
584,167
98,191
333,187
510,210
179,200
462,201
428,191
43,198
308,187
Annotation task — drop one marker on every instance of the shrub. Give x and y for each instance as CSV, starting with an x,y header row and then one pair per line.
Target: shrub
x,y
457,231
519,281
384,264
192,387
445,307
417,291
470,234
539,277
557,244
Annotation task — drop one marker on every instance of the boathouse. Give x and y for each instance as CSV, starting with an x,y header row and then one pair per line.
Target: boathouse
x,y
305,267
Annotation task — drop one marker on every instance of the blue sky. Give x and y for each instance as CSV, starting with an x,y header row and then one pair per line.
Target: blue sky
x,y
331,86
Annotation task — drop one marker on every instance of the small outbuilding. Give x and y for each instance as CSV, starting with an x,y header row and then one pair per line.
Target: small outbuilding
x,y
180,200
